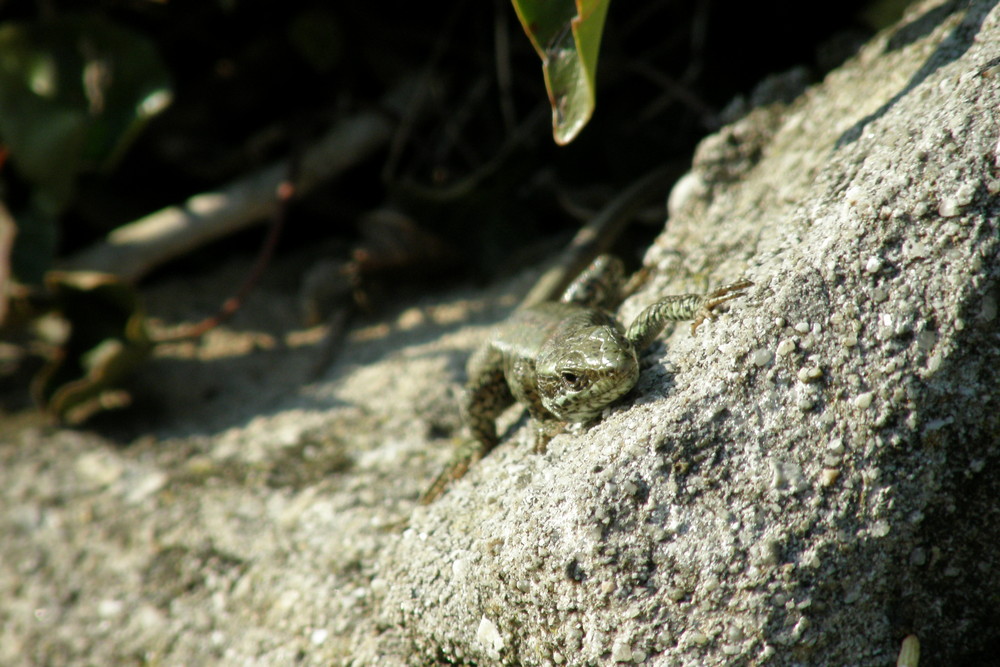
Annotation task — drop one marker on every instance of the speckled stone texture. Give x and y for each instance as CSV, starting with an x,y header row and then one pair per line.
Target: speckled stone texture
x,y
807,480
811,477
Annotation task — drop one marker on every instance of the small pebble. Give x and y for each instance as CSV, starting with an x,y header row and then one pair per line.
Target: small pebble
x,y
675,594
488,635
853,194
762,357
460,567
621,652
949,208
99,468
829,476
145,486
934,363
698,637
785,347
109,607
378,586
809,374
864,400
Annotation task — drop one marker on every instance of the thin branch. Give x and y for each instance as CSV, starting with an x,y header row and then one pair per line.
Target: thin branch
x,y
285,193
135,249
501,49
597,236
8,230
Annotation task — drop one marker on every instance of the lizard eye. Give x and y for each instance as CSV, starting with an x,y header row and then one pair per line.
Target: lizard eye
x,y
572,380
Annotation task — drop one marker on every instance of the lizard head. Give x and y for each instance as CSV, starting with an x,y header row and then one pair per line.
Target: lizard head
x,y
581,372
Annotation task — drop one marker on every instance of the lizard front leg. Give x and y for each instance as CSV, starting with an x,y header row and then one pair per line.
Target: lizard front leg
x,y
486,396
698,307
523,382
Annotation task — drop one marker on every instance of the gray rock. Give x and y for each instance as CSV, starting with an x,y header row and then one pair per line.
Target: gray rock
x,y
771,488
806,480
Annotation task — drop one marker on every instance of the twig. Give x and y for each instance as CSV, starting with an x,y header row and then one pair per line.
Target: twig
x,y
132,251
421,96
501,51
285,193
461,188
596,237
674,91
8,230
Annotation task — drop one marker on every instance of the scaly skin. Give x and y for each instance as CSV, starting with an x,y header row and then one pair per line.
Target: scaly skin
x,y
565,361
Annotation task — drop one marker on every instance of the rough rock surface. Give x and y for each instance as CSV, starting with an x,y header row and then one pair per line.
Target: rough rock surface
x,y
809,478
806,480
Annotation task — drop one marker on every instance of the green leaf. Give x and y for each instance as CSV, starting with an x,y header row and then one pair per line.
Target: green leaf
x,y
567,37
74,93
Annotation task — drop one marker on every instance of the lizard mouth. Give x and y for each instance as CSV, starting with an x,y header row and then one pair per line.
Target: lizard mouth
x,y
582,369
586,402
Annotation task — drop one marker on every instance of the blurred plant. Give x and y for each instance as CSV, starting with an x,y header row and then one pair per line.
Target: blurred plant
x,y
75,90
104,340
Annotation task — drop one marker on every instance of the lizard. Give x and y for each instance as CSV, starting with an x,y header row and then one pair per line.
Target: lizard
x,y
566,360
